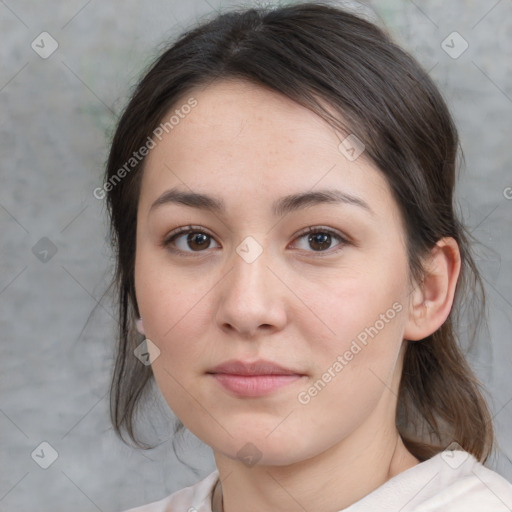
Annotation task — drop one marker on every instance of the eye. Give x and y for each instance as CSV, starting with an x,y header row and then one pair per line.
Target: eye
x,y
321,239
193,239
196,240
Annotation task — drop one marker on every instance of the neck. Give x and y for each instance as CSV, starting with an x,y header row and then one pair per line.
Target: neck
x,y
328,482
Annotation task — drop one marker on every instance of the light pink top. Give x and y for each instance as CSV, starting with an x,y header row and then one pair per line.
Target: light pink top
x,y
451,481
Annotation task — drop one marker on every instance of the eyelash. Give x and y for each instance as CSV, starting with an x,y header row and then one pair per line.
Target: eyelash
x,y
168,241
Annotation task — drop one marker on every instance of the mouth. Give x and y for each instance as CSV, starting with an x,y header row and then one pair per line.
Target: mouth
x,y
253,378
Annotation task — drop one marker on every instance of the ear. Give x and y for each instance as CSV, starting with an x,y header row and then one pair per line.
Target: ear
x,y
431,301
140,326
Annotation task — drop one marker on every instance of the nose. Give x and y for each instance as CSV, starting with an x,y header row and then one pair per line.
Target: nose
x,y
251,299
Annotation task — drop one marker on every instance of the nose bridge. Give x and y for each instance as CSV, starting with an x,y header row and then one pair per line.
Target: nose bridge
x,y
249,297
249,273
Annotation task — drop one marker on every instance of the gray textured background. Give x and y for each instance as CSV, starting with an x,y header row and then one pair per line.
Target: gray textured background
x,y
56,117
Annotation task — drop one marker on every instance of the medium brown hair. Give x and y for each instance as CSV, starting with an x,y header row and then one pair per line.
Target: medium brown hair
x,y
320,55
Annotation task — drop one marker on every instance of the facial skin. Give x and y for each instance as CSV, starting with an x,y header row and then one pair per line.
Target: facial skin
x,y
299,304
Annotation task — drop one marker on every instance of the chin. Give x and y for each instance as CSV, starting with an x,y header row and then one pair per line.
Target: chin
x,y
256,449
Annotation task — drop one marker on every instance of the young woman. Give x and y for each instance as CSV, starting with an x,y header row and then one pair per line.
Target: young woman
x,y
290,270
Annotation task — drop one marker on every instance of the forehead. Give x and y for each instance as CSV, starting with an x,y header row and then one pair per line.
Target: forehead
x,y
244,138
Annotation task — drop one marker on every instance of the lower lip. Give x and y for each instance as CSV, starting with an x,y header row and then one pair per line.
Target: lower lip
x,y
254,385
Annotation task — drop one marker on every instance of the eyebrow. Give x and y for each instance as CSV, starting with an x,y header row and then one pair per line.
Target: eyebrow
x,y
281,206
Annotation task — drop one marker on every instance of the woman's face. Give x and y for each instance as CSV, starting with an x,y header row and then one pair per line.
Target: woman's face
x,y
249,284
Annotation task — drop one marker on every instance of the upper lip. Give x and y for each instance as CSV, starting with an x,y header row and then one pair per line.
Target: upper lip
x,y
259,367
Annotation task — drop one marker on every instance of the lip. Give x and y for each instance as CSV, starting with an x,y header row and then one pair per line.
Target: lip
x,y
255,378
260,367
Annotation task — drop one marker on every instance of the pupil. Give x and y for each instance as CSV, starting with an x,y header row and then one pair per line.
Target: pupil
x,y
197,238
323,239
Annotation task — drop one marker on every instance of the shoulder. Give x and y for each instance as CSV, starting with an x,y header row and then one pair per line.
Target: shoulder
x,y
196,498
451,481
465,484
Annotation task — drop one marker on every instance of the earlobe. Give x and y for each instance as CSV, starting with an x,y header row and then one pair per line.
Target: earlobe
x,y
140,326
432,301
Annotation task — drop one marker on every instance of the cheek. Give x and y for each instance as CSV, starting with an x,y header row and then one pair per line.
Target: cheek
x,y
352,369
172,310
361,320
361,358
173,306
354,302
